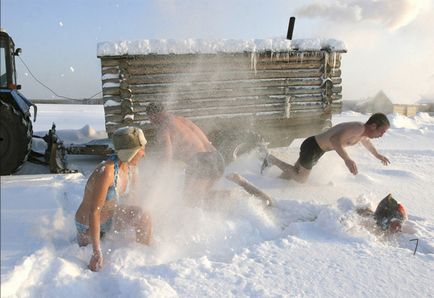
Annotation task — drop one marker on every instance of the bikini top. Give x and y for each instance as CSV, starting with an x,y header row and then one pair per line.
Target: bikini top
x,y
112,192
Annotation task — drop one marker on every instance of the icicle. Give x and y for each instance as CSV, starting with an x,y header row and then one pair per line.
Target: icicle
x,y
326,61
301,57
334,61
253,61
256,61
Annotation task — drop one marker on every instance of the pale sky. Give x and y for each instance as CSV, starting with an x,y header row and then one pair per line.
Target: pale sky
x,y
390,42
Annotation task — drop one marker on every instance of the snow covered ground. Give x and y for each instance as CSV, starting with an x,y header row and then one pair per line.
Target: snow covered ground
x,y
311,244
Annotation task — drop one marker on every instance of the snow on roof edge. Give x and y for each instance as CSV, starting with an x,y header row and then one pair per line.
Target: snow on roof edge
x,y
212,46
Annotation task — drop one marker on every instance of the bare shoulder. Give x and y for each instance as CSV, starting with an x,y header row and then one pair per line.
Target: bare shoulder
x,y
352,124
352,127
183,121
181,124
104,172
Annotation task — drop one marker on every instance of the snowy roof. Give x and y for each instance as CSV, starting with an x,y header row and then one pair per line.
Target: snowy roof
x,y
212,46
426,101
379,97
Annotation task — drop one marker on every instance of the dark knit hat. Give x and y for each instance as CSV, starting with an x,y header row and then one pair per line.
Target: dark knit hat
x,y
154,108
389,210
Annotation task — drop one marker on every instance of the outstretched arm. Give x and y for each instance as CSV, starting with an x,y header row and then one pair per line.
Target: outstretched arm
x,y
370,147
99,192
340,138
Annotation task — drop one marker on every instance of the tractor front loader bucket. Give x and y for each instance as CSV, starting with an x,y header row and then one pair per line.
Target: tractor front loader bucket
x,y
54,155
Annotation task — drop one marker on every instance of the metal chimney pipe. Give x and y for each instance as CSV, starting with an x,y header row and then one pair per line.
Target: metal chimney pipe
x,y
290,28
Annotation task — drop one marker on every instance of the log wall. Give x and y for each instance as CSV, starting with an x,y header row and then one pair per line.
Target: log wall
x,y
220,90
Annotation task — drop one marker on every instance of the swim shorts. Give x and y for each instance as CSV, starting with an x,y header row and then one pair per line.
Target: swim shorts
x,y
104,228
310,153
207,165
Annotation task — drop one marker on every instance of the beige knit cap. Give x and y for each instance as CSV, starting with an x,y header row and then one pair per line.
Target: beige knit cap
x,y
128,141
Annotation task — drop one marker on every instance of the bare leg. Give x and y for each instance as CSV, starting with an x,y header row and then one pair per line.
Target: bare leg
x,y
144,229
83,239
285,167
290,172
250,188
135,217
297,173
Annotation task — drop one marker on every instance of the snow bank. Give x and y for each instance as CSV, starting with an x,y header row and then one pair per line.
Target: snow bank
x,y
415,122
311,244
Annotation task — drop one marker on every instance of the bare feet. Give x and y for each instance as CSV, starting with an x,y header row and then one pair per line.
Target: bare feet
x,y
265,163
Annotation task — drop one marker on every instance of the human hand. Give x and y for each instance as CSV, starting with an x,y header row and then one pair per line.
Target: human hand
x,y
351,165
384,160
96,261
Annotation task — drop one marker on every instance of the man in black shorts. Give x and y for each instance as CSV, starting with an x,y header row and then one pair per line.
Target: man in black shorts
x,y
336,138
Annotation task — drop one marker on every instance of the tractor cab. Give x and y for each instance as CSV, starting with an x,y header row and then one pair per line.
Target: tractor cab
x,y
8,77
15,125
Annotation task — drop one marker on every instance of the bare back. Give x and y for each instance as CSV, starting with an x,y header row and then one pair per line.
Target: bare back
x,y
186,138
346,134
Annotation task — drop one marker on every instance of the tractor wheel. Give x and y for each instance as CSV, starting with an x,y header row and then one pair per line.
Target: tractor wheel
x,y
15,138
233,144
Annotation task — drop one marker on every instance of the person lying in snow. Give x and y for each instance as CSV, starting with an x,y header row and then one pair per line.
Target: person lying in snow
x,y
336,138
182,140
389,215
101,209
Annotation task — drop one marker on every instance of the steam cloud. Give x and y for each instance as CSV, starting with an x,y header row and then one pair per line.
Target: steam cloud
x,y
394,14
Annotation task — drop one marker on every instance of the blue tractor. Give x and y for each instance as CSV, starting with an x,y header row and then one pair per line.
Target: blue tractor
x,y
15,124
16,130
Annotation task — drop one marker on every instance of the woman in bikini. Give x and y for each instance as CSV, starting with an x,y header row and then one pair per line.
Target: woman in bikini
x,y
101,208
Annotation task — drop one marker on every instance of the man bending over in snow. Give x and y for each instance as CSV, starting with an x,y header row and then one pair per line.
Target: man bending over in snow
x,y
182,140
336,138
